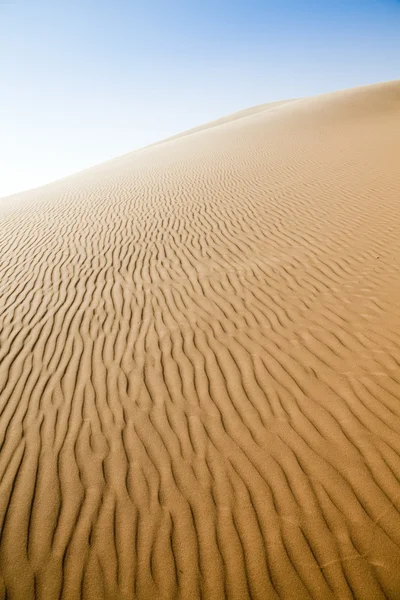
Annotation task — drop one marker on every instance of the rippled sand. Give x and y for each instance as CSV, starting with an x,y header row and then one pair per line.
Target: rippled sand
x,y
200,364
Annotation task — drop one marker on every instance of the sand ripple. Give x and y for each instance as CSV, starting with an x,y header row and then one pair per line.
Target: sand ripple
x,y
199,365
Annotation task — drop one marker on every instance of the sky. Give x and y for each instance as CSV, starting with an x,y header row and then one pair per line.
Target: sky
x,y
83,81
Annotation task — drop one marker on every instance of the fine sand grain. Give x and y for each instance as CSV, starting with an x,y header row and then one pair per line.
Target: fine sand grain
x,y
200,364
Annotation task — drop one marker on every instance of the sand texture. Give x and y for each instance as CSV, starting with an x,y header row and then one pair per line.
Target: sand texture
x,y
200,364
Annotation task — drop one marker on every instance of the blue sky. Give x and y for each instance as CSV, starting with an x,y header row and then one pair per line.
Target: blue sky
x,y
85,81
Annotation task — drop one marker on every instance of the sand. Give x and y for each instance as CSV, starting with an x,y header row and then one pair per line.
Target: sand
x,y
200,364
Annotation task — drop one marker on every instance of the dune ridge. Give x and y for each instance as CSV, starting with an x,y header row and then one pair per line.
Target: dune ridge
x,y
199,364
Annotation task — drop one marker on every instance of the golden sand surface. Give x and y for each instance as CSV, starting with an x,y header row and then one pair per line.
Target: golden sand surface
x,y
200,364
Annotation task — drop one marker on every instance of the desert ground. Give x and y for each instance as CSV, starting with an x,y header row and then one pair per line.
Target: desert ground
x,y
200,364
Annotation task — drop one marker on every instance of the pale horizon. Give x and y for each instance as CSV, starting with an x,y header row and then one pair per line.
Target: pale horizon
x,y
171,134
134,75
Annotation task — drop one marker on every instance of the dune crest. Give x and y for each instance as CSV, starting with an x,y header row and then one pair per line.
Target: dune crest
x,y
199,364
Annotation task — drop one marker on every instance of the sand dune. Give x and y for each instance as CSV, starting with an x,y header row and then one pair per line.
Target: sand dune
x,y
200,364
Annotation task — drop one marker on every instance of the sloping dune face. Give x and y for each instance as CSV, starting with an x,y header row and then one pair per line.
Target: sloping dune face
x,y
200,365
